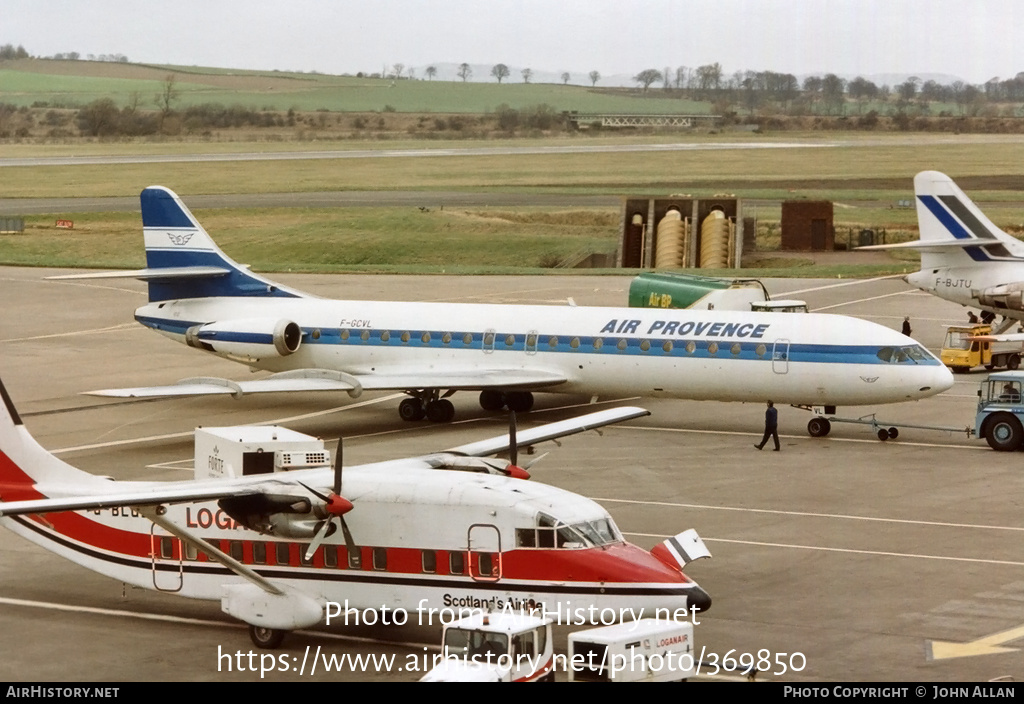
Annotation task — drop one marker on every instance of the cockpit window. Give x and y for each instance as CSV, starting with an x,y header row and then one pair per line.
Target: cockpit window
x,y
913,354
552,533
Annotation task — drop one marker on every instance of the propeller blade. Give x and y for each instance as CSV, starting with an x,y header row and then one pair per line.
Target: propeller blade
x,y
535,460
325,530
337,465
314,492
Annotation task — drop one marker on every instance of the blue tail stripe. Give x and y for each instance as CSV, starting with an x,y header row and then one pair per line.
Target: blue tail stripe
x,y
159,209
954,227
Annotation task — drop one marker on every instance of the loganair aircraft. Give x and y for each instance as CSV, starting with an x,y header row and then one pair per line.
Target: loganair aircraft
x,y
965,258
449,532
200,297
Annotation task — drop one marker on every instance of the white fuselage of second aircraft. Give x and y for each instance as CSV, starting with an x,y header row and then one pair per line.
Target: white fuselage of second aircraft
x,y
721,355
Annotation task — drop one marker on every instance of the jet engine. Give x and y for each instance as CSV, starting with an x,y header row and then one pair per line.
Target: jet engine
x,y
279,515
252,338
1008,296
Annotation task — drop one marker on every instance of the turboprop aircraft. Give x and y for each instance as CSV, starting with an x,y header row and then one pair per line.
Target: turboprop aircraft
x,y
199,296
414,539
965,258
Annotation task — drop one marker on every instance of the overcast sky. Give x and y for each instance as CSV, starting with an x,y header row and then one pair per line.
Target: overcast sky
x,y
974,40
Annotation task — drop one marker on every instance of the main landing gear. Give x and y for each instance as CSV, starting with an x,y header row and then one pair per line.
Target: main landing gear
x,y
518,401
426,404
266,638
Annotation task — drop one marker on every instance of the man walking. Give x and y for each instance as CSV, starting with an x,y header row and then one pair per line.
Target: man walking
x,y
771,426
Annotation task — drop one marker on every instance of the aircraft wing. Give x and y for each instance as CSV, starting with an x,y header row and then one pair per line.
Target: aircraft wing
x,y
180,272
937,245
311,380
551,431
167,493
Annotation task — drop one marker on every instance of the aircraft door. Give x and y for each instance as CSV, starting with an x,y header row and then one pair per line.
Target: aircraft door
x,y
165,552
780,356
484,552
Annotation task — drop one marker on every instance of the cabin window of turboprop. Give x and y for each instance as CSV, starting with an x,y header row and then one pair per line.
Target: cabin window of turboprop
x,y
259,553
282,553
166,547
456,563
380,559
428,560
355,559
914,354
330,556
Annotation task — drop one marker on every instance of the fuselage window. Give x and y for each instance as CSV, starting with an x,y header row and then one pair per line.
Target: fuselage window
x,y
489,339
385,336
510,340
355,558
735,349
598,343
552,342
429,561
259,553
667,347
344,335
330,556
456,563
316,334
406,336
166,547
446,338
691,347
303,560
713,348
364,335
486,564
760,350
425,338
575,343
645,345
380,558
622,345
467,339
282,553
236,550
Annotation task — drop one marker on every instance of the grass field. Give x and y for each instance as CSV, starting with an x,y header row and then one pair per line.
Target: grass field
x,y
75,83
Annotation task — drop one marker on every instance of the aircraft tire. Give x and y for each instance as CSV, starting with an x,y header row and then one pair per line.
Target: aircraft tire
x,y
1004,432
894,433
411,409
519,401
491,400
440,411
883,434
819,427
266,638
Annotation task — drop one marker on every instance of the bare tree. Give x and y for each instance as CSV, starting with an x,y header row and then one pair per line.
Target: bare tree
x,y
431,71
397,70
167,97
594,78
527,74
500,71
465,72
565,78
646,77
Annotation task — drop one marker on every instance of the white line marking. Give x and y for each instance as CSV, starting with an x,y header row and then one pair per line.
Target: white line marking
x,y
96,331
807,514
1011,563
853,282
872,439
860,300
278,421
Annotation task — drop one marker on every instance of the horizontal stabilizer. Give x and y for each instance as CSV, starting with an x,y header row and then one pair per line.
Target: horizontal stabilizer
x,y
938,245
181,272
311,380
551,431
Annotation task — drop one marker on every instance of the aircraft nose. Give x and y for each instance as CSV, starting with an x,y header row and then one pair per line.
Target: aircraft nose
x,y
699,598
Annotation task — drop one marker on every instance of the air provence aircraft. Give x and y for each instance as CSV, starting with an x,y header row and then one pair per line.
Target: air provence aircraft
x,y
965,258
202,298
282,548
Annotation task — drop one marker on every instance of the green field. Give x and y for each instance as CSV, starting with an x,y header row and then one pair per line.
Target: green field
x,y
76,83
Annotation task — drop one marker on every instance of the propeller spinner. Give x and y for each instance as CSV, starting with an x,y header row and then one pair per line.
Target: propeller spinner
x,y
335,506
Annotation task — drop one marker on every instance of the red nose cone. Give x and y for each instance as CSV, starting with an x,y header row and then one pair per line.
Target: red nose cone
x,y
338,505
517,472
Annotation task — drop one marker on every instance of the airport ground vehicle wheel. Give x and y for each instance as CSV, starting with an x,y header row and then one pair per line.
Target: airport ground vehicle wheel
x,y
818,427
440,411
1003,432
411,409
894,433
1013,362
519,401
491,400
266,638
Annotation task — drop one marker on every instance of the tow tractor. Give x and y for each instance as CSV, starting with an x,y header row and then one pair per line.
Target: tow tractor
x,y
1000,411
962,350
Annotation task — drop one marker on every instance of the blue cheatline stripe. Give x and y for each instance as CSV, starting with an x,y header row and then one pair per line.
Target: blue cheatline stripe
x,y
954,227
235,283
430,339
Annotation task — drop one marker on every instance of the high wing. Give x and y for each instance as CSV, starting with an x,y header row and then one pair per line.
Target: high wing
x,y
311,380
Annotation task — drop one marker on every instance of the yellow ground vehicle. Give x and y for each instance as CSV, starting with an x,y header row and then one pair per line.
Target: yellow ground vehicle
x,y
962,350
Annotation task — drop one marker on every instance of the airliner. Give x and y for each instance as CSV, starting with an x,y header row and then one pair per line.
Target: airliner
x,y
965,258
413,540
200,297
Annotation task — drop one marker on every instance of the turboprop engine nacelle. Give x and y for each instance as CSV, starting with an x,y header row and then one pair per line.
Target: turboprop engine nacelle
x,y
279,515
252,338
1009,296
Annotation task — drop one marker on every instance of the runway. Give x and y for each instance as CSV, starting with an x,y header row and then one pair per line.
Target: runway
x,y
862,557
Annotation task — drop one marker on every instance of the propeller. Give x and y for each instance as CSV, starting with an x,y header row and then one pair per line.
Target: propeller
x,y
336,506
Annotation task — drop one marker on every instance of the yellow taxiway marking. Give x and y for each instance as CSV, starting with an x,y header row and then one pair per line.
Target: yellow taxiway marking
x,y
989,645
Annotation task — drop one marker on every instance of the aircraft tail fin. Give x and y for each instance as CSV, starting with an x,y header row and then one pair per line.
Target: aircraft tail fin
x,y
183,261
26,467
953,229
